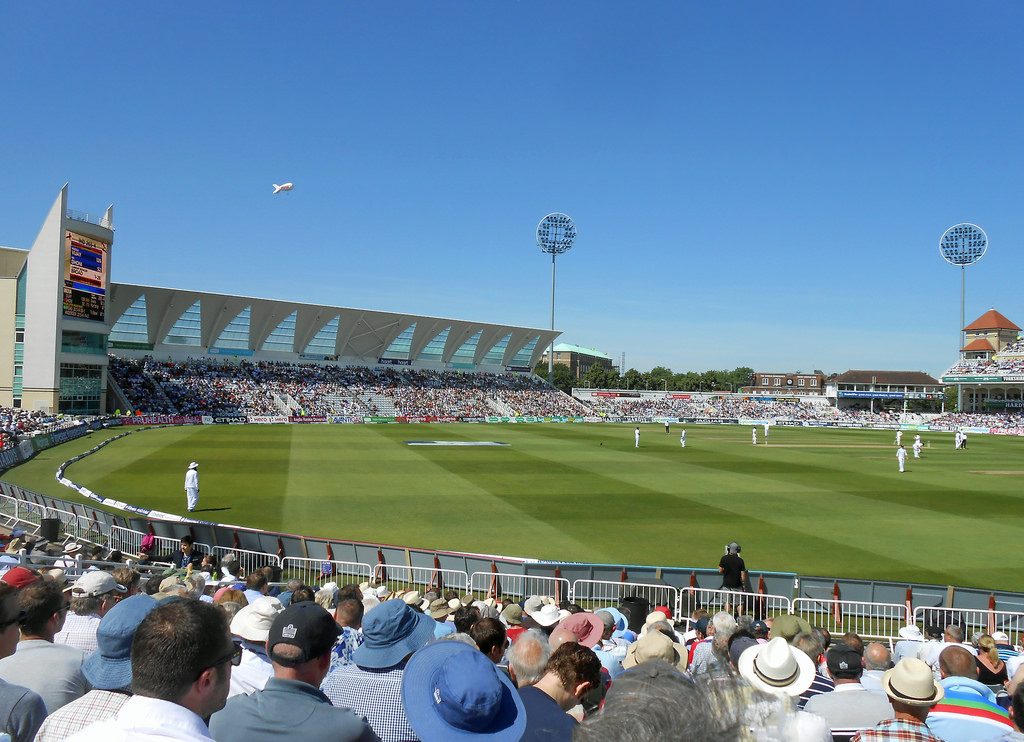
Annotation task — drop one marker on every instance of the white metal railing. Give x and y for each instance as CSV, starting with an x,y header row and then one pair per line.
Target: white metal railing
x,y
81,216
401,577
597,593
870,620
129,541
318,571
248,560
756,604
499,585
974,620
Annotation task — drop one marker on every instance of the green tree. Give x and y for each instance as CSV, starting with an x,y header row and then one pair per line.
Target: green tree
x,y
659,376
632,379
598,377
951,398
564,379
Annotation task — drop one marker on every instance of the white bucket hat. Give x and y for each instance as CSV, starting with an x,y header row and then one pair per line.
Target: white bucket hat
x,y
777,668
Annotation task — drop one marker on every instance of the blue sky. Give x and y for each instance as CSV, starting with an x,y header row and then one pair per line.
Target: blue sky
x,y
753,183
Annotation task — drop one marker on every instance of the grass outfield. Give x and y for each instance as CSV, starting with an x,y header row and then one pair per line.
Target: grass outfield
x,y
814,501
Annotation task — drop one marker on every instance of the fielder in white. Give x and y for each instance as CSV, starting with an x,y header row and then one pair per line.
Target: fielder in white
x,y
682,437
636,435
901,456
754,435
192,486
766,434
917,448
899,437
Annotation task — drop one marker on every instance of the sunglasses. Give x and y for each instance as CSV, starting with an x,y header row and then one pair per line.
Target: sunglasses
x,y
19,618
234,657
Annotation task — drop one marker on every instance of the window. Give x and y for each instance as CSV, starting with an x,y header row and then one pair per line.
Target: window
x,y
83,342
402,344
814,382
801,382
778,381
19,335
283,336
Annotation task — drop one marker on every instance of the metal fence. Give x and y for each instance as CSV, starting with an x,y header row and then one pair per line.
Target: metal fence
x,y
758,605
401,577
869,620
592,594
500,585
128,541
973,620
318,571
248,560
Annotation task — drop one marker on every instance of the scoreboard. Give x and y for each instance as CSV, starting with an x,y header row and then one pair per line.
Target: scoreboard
x,y
85,284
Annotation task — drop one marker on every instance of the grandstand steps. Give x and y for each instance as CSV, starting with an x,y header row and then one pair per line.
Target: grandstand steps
x,y
116,398
499,407
380,403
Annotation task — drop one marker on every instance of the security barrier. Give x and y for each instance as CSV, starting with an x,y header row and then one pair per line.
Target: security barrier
x,y
502,585
869,620
318,571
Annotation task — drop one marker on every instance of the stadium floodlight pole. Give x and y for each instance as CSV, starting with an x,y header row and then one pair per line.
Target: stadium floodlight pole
x,y
556,234
963,244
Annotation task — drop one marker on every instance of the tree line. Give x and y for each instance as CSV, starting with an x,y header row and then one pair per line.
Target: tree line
x,y
658,378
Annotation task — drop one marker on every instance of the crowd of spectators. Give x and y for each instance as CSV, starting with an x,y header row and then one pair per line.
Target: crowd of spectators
x,y
17,424
1002,364
954,420
204,387
203,653
723,407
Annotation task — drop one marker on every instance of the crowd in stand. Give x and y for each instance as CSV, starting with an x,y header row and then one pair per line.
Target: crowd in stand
x,y
1004,419
204,387
723,407
189,648
17,424
996,366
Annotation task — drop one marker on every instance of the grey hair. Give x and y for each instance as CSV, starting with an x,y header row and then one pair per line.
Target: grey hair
x,y
528,657
809,644
724,622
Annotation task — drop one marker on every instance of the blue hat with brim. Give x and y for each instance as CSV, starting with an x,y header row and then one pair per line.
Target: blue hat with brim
x,y
451,691
392,631
110,666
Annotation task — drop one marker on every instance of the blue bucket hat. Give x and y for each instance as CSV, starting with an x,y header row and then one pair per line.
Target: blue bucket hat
x,y
451,691
110,666
391,631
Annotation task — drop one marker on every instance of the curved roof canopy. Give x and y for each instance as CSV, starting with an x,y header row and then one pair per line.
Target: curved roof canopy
x,y
162,319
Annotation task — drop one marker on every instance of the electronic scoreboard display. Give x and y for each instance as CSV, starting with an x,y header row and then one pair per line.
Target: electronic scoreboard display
x,y
85,285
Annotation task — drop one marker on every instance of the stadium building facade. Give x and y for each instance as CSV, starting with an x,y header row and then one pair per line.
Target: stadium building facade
x,y
61,315
578,359
990,373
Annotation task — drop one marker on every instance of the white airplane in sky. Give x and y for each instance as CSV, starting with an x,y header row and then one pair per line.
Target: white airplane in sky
x,y
285,187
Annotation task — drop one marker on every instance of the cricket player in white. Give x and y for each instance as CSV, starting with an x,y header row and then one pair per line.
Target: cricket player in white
x,y
636,435
901,456
682,437
917,448
899,437
766,434
192,486
754,435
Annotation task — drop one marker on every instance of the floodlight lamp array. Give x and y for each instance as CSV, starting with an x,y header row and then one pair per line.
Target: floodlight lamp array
x,y
963,244
556,234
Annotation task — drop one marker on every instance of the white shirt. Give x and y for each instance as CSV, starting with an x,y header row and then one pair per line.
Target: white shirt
x,y
192,479
144,719
251,674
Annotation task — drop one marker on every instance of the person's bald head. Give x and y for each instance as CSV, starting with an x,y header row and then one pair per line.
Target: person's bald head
x,y
877,657
957,662
561,636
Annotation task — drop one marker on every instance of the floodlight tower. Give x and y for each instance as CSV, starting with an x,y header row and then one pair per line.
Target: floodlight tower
x,y
556,234
963,244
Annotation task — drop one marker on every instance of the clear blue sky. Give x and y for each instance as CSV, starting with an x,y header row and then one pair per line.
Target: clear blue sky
x,y
754,183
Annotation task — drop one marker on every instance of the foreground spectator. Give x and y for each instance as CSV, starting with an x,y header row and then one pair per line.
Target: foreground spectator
x,y
181,667
21,710
912,692
452,691
850,707
299,646
372,686
108,670
92,595
528,657
572,671
969,710
252,625
349,617
52,670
